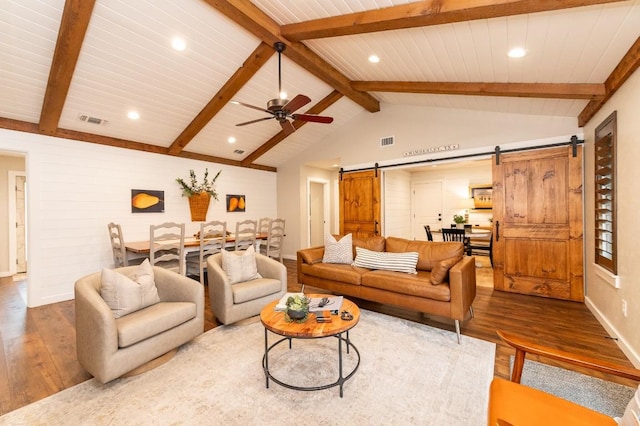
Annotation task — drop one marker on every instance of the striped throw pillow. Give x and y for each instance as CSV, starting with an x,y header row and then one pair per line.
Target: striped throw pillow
x,y
399,262
338,251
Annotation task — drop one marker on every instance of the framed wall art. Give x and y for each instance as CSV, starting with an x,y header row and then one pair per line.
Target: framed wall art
x,y
482,196
236,203
147,201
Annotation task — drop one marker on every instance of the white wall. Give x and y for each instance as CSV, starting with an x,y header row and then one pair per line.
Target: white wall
x,y
76,188
605,300
396,217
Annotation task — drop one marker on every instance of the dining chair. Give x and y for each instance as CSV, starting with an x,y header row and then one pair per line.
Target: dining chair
x,y
482,247
245,234
166,246
275,239
263,225
213,237
427,229
120,257
456,234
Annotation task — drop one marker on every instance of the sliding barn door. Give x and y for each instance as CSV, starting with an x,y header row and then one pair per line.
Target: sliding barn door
x,y
537,220
360,204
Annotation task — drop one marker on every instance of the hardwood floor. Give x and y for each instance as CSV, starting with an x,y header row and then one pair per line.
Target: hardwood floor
x,y
37,355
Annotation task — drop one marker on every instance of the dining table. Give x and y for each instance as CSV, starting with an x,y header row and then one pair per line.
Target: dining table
x,y
191,244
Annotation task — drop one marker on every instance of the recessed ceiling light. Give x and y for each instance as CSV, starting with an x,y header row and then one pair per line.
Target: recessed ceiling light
x,y
374,59
178,44
133,115
283,95
231,139
517,52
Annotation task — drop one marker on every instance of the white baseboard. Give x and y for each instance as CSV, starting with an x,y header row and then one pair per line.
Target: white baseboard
x,y
5,274
633,356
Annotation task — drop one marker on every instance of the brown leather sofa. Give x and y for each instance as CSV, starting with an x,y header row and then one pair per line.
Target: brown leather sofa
x,y
451,298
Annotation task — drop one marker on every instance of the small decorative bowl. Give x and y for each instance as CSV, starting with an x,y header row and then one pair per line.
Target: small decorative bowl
x,y
297,315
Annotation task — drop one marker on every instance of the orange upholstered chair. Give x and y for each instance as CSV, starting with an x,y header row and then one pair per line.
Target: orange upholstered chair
x,y
511,403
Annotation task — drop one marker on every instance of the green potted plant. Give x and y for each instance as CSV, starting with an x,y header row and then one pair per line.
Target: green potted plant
x,y
199,194
458,218
297,308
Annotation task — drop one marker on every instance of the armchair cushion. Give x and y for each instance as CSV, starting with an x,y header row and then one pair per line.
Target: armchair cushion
x,y
255,289
126,294
157,319
240,266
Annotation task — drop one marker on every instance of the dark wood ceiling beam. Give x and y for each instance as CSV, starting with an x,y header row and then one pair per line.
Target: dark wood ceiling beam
x,y
627,66
420,14
73,27
523,90
242,75
325,103
23,126
254,20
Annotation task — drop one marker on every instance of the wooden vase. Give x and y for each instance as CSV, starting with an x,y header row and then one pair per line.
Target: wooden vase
x,y
199,205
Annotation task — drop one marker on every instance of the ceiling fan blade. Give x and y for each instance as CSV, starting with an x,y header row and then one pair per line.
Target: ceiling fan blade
x,y
287,127
313,118
251,106
298,102
255,121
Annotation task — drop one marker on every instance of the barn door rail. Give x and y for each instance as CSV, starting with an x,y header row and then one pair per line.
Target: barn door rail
x,y
574,142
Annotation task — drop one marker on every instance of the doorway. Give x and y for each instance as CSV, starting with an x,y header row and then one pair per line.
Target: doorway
x,y
318,205
17,214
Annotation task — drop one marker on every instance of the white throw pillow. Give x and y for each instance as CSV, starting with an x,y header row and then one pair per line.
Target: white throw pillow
x,y
240,266
126,294
338,251
399,262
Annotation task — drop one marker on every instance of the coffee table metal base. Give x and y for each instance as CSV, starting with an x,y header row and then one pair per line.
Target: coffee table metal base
x,y
341,377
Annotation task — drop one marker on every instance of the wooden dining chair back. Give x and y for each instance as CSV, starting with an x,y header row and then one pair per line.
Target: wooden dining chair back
x,y
275,240
427,229
166,246
245,234
213,237
117,245
456,234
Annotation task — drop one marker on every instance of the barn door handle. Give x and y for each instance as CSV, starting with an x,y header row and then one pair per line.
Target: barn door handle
x,y
497,231
375,228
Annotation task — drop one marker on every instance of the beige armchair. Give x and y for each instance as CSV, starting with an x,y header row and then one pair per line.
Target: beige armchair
x,y
233,302
109,348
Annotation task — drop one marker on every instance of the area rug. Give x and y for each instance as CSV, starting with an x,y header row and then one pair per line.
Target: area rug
x,y
409,374
600,395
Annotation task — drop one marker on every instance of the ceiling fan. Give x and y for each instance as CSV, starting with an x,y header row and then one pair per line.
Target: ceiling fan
x,y
282,109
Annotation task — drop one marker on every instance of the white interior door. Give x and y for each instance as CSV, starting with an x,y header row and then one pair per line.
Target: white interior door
x,y
317,220
426,206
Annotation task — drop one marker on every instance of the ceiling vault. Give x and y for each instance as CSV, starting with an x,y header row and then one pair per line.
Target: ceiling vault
x,y
77,15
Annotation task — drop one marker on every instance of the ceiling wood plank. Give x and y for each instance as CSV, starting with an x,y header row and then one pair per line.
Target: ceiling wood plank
x,y
73,27
324,103
627,66
523,90
423,13
23,126
254,20
242,75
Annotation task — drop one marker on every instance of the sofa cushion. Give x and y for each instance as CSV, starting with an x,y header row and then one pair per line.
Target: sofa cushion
x,y
417,285
240,266
400,262
126,294
429,252
335,272
370,243
337,250
440,270
255,289
152,320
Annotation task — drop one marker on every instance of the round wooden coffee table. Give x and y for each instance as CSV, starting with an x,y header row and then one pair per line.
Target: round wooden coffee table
x,y
274,321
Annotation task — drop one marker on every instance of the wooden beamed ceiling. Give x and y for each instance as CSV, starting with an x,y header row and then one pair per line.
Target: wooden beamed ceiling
x,y
77,15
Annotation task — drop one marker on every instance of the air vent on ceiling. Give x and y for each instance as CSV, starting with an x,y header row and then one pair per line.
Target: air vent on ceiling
x,y
238,151
92,120
387,141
